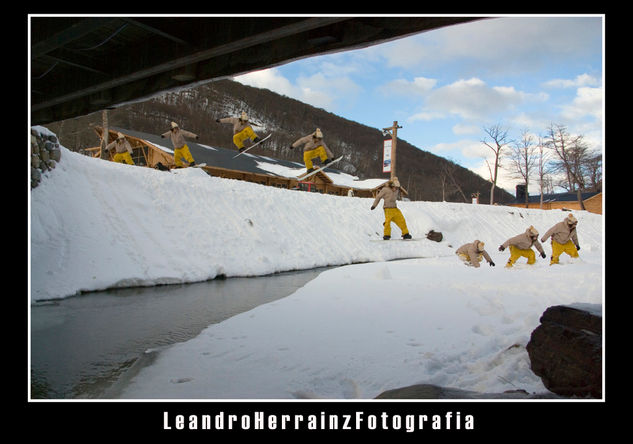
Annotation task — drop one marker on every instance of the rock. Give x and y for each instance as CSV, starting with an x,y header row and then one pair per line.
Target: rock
x,y
429,391
566,351
434,236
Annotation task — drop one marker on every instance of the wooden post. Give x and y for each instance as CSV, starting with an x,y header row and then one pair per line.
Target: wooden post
x,y
394,135
104,136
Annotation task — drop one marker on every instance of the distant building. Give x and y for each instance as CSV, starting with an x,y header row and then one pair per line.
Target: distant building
x,y
559,201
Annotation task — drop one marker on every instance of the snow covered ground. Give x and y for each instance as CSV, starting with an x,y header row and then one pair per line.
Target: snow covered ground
x,y
371,325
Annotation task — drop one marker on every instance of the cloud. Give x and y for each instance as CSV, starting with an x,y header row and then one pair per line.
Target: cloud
x,y
580,81
419,86
588,102
474,99
499,44
319,90
270,79
461,129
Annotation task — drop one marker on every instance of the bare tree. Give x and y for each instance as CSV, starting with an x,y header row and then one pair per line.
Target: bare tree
x,y
499,139
449,183
594,172
571,154
544,178
522,158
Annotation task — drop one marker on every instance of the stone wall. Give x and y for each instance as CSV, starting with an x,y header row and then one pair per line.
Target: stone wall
x,y
45,153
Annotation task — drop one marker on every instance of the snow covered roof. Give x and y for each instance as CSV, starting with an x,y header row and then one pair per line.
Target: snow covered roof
x,y
252,163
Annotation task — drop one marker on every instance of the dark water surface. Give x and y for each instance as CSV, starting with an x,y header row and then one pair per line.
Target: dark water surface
x,y
82,345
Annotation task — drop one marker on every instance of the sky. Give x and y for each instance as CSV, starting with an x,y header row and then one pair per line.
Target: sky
x,y
445,86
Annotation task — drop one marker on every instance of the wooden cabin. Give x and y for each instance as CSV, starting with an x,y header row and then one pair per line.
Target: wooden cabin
x,y
592,201
149,150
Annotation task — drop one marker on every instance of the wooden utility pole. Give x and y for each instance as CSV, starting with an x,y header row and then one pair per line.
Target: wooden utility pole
x,y
394,135
104,136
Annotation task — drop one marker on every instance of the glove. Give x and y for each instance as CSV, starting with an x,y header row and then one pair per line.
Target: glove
x,y
217,120
291,147
501,248
577,247
373,208
197,137
162,137
543,255
492,264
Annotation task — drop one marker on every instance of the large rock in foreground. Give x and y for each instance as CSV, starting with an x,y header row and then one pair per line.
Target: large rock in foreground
x,y
566,350
429,391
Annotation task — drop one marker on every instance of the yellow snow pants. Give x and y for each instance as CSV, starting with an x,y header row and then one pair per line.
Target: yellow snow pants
x,y
246,133
317,152
516,253
180,153
395,215
123,158
558,249
466,258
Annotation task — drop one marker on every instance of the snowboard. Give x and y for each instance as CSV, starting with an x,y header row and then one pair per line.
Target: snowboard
x,y
319,169
199,165
253,145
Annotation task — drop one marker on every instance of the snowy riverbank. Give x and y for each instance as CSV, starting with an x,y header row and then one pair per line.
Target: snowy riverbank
x,y
352,332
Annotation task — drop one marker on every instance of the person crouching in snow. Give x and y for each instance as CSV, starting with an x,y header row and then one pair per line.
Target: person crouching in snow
x,y
473,253
521,246
313,147
390,193
181,150
242,130
564,238
122,150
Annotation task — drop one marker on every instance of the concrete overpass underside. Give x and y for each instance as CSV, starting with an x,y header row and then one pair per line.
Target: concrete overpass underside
x,y
80,65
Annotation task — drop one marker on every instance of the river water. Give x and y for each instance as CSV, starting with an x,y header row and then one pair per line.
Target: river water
x,y
83,346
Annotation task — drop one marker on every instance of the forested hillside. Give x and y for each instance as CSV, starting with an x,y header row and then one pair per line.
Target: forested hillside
x,y
424,175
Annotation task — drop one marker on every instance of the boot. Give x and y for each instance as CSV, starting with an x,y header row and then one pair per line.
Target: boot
x,y
406,236
386,237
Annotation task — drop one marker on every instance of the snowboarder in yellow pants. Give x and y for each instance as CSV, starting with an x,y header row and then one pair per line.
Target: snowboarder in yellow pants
x,y
313,147
558,249
521,246
242,136
394,215
242,130
123,158
122,150
564,238
516,253
181,150
390,193
180,153
309,155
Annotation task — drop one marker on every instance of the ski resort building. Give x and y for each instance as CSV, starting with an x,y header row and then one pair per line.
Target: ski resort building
x,y
592,201
150,150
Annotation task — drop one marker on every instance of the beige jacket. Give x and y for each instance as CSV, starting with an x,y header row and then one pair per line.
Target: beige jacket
x,y
311,143
524,241
120,145
238,125
389,194
472,251
562,233
178,137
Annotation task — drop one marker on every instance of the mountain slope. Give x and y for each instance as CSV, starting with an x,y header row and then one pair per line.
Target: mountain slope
x,y
426,176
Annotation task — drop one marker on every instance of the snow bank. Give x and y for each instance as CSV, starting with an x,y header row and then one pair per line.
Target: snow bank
x,y
97,224
352,332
